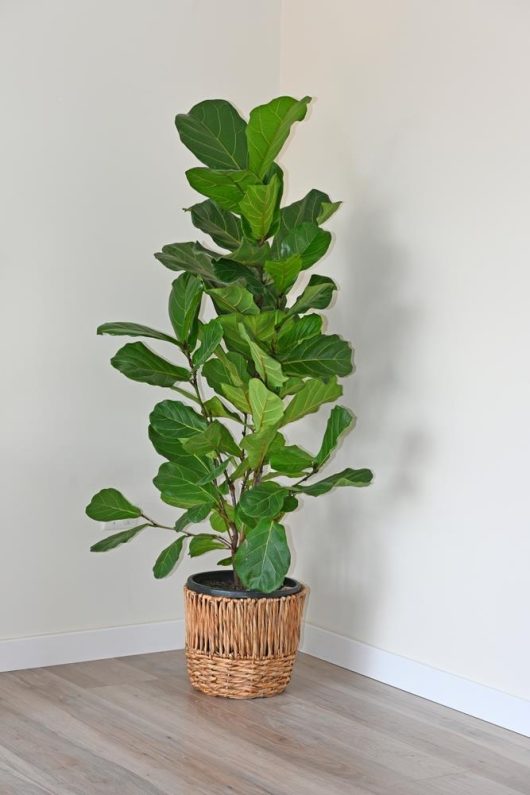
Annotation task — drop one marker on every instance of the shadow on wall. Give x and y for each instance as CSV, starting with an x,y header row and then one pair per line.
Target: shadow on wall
x,y
377,311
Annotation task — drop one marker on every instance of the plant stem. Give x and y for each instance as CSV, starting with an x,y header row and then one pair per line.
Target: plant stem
x,y
184,532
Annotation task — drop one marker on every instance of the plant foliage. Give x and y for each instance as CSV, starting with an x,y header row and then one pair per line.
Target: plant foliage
x,y
260,364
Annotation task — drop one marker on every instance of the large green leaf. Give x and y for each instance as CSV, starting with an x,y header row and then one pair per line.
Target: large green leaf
x,y
178,486
211,336
190,257
340,419
291,461
227,188
317,295
307,240
261,326
258,207
204,542
231,370
308,209
215,132
268,368
268,128
167,560
124,329
310,397
110,542
238,396
256,445
184,305
284,272
263,559
250,253
264,500
216,408
322,356
192,516
233,299
215,438
173,419
327,209
170,448
223,227
138,362
109,505
267,408
348,477
295,329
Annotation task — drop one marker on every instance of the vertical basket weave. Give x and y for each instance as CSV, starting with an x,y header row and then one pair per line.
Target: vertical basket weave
x,y
242,648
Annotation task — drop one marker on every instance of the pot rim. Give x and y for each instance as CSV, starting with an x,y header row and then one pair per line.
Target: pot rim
x,y
195,582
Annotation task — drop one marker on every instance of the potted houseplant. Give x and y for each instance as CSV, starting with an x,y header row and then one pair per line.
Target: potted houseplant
x,y
260,363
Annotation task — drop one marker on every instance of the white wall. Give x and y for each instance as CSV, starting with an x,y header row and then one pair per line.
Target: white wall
x,y
92,184
421,124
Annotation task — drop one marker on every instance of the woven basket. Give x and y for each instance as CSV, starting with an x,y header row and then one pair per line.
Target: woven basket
x,y
242,648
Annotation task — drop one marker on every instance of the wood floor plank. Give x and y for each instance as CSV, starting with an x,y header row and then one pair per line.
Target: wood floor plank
x,y
134,726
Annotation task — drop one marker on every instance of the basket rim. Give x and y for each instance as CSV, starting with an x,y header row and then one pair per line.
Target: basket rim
x,y
196,583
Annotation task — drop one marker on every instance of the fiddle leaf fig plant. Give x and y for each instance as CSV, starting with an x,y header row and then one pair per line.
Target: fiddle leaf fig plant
x,y
259,364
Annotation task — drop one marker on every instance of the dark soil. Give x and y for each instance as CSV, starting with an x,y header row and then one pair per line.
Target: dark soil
x,y
229,585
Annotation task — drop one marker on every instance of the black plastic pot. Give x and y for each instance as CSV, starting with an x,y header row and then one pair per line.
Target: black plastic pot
x,y
200,584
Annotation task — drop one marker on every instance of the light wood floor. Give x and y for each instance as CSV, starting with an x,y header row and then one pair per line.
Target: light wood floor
x,y
133,726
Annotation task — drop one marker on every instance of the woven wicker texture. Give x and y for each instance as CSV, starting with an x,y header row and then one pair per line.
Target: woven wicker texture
x,y
242,648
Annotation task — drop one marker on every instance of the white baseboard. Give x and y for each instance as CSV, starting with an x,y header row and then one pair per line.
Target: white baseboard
x,y
452,691
92,644
414,677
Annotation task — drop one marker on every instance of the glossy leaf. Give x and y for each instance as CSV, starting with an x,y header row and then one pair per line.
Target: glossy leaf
x,y
263,500
310,397
291,460
216,408
216,437
233,299
263,559
258,207
173,419
267,408
211,336
191,257
268,368
226,188
184,305
109,505
178,486
250,253
140,363
110,542
321,357
317,295
284,272
215,132
327,209
295,329
339,421
168,558
348,477
307,209
256,445
268,128
167,447
238,396
124,329
223,227
192,516
204,542
307,240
